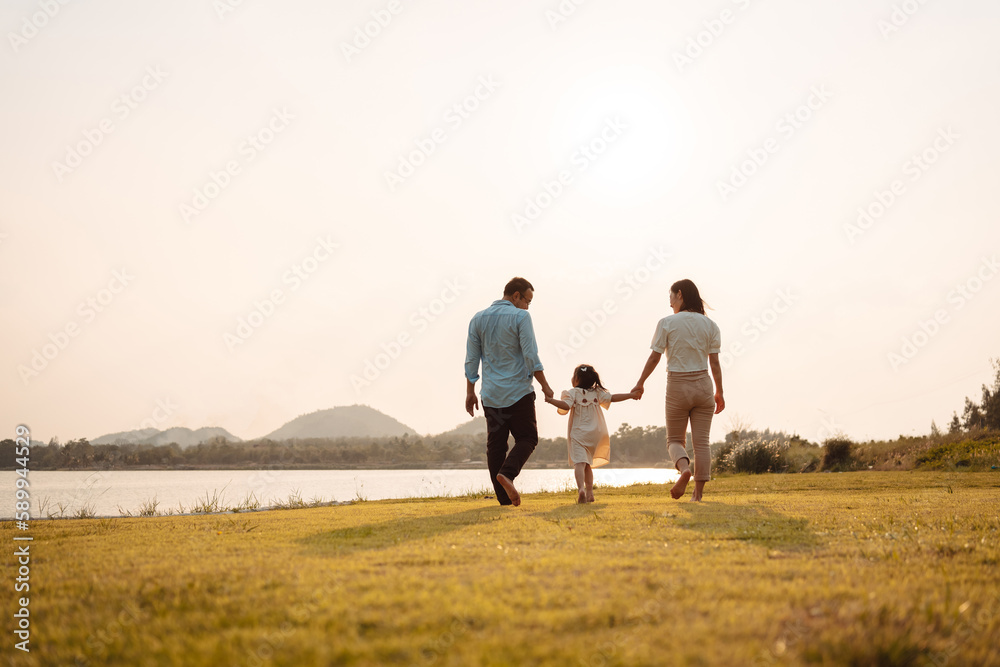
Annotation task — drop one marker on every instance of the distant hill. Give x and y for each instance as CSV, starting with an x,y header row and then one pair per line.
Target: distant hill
x,y
184,437
475,426
350,421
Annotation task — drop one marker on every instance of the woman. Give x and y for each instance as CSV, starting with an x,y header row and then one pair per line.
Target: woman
x,y
692,343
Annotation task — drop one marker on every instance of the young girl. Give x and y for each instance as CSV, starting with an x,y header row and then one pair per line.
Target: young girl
x,y
588,439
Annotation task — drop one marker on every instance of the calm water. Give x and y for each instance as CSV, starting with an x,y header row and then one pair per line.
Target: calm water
x,y
113,493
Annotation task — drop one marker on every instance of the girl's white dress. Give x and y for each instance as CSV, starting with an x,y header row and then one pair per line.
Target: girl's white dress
x,y
587,435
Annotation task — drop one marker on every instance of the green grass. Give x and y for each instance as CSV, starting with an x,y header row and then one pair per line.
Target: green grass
x,y
969,451
977,452
863,568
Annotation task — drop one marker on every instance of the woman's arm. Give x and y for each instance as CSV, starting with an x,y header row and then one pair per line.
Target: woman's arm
x,y
651,362
720,402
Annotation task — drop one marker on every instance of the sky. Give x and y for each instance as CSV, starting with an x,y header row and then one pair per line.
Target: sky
x,y
234,213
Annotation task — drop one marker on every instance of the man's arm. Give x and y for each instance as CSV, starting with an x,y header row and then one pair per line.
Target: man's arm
x,y
529,348
473,354
546,389
471,402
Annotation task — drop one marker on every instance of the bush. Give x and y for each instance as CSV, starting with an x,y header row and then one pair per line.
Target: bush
x,y
720,455
754,456
803,457
980,450
839,454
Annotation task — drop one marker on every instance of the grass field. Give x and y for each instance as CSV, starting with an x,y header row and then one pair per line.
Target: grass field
x,y
864,568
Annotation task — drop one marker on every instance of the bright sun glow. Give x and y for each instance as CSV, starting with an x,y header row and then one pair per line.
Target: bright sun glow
x,y
628,134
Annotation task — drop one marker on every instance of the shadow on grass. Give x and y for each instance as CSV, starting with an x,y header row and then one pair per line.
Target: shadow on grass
x,y
572,511
372,536
754,524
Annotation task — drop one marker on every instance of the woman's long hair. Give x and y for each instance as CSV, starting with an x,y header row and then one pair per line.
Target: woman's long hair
x,y
692,298
587,377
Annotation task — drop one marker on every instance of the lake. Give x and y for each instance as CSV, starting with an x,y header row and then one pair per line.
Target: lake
x,y
114,493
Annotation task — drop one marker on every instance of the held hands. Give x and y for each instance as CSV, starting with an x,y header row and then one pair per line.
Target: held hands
x,y
636,392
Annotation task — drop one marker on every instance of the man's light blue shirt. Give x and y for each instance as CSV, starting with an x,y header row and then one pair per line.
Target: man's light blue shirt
x,y
503,338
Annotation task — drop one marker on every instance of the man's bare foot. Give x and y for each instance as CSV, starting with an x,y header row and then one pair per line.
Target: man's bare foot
x,y
681,485
508,486
581,497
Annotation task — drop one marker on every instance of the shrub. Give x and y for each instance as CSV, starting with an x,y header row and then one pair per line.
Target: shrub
x,y
839,454
979,450
720,455
755,456
803,457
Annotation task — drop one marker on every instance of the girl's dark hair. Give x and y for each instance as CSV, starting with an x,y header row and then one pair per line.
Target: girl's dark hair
x,y
587,377
689,292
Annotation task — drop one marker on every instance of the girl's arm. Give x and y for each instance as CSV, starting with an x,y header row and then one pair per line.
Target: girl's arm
x,y
623,397
562,405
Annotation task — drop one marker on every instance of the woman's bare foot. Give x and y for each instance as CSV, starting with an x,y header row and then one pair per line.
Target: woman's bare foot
x,y
508,486
581,497
590,496
681,485
699,488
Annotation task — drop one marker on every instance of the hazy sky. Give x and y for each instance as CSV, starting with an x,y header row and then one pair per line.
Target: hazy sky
x,y
223,213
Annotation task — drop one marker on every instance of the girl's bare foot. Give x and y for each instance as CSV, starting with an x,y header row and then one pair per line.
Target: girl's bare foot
x,y
581,497
681,485
508,486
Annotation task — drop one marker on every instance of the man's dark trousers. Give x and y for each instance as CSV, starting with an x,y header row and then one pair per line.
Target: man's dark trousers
x,y
517,420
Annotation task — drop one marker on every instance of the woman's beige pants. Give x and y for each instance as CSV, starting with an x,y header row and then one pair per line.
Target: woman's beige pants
x,y
690,396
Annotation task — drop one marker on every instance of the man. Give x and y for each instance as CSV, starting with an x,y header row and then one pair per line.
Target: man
x,y
504,340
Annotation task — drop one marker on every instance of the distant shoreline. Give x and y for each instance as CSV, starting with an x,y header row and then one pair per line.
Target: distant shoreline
x,y
472,465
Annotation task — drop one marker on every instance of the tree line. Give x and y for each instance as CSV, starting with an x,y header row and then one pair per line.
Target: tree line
x,y
984,415
630,446
635,446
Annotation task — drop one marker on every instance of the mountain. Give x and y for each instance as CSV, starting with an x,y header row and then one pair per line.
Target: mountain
x,y
475,426
184,437
342,422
